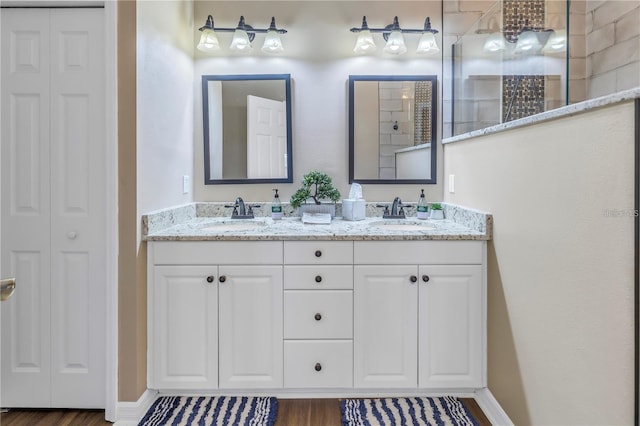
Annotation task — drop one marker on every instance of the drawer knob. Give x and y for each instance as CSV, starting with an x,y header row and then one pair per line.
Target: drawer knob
x,y
318,367
318,253
318,317
210,279
318,278
413,278
222,278
425,278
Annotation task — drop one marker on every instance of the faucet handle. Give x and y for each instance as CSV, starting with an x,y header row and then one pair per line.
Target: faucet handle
x,y
385,206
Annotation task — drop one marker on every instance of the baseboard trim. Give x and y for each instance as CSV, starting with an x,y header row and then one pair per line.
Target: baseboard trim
x,y
491,408
130,413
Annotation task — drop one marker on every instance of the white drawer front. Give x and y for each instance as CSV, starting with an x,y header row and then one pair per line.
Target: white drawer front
x,y
418,252
318,252
334,277
318,314
318,364
217,252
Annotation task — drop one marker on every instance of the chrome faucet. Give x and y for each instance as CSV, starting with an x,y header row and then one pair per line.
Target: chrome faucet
x,y
242,210
397,210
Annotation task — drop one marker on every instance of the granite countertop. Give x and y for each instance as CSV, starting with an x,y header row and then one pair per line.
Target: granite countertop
x,y
205,222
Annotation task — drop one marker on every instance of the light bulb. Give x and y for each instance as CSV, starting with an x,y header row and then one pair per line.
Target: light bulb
x,y
395,44
208,41
240,40
494,43
272,43
427,43
557,41
365,43
527,42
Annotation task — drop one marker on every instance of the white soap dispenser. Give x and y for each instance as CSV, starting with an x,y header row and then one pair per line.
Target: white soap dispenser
x,y
422,207
276,207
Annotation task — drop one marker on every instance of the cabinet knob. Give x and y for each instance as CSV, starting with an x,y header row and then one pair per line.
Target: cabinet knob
x,y
425,278
318,366
222,278
210,279
72,235
318,317
318,253
318,278
413,278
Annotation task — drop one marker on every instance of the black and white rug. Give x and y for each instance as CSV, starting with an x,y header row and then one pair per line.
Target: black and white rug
x,y
213,410
405,411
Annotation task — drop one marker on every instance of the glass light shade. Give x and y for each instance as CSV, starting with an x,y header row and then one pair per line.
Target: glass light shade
x,y
527,42
494,43
427,43
208,41
557,41
395,44
272,43
240,41
365,43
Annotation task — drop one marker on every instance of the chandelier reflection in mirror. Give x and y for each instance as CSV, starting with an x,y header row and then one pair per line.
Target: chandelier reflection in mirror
x,y
393,36
243,36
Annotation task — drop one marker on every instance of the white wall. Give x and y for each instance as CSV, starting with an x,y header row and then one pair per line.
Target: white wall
x,y
560,274
164,103
319,58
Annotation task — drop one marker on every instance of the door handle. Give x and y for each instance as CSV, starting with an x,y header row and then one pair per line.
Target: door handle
x,y
7,286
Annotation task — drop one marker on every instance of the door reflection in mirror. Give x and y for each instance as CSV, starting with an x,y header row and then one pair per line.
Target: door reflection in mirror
x,y
392,123
247,128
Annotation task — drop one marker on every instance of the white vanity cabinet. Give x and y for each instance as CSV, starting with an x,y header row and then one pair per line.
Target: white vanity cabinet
x,y
215,315
348,317
419,314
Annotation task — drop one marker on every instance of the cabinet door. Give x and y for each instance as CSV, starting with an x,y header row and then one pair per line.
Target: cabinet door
x,y
385,326
451,327
185,328
250,326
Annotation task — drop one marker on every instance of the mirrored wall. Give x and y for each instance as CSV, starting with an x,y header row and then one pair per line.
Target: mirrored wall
x,y
512,63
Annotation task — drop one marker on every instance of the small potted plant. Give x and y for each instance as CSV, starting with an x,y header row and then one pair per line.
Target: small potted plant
x,y
316,186
436,211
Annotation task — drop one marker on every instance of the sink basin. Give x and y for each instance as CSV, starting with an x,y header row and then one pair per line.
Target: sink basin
x,y
404,225
236,225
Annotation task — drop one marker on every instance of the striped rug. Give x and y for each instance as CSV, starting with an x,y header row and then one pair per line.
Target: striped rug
x,y
214,410
405,411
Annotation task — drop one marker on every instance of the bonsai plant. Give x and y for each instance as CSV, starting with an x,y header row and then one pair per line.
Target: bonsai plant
x,y
316,186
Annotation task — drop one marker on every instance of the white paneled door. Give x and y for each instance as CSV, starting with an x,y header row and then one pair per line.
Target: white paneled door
x,y
53,208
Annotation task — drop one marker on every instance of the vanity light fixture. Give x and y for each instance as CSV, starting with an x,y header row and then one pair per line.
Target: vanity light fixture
x,y
243,35
393,35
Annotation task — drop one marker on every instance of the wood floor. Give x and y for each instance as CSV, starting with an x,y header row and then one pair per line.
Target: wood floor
x,y
291,412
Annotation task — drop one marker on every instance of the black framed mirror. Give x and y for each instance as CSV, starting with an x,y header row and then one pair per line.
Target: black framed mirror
x,y
247,128
392,128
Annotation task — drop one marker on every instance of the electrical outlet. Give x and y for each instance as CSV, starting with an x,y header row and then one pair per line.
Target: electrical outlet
x,y
452,184
185,184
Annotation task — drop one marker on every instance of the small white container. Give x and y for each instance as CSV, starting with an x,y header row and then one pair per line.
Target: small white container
x,y
353,209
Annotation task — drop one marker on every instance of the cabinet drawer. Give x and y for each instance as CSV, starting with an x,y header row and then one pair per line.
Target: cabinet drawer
x,y
418,252
216,252
318,314
318,252
318,364
334,277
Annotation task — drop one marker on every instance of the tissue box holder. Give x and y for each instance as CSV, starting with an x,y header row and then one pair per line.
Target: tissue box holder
x,y
353,209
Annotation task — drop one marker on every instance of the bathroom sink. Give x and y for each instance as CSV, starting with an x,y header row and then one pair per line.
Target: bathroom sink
x,y
404,225
234,225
